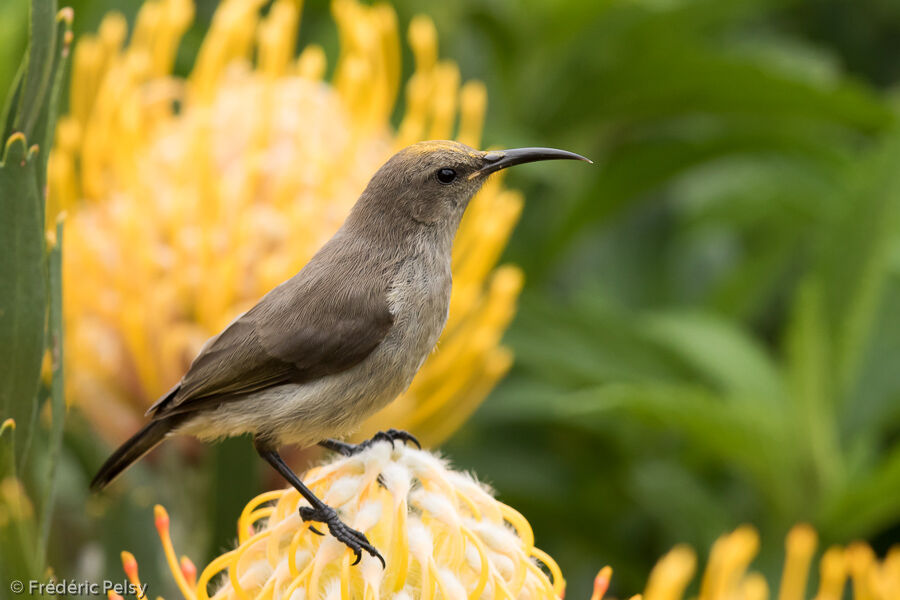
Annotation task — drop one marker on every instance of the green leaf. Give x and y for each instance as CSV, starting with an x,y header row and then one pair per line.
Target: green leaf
x,y
586,344
855,260
11,104
38,72
57,390
808,356
746,436
45,127
18,559
723,354
867,503
23,295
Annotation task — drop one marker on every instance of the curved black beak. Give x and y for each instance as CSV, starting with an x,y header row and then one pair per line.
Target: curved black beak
x,y
501,159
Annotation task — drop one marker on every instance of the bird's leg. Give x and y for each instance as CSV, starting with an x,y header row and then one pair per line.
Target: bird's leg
x,y
318,510
391,435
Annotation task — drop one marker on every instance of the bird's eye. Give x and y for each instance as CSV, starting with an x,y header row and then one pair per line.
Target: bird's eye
x,y
446,175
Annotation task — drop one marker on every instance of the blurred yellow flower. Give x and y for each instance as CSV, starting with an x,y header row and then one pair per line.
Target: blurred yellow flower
x,y
727,577
189,198
442,534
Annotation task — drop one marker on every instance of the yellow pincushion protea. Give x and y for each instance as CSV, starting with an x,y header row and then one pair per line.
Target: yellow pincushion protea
x,y
442,534
189,198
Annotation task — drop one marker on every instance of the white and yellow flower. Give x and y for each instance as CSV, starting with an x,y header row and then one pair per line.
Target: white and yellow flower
x,y
442,534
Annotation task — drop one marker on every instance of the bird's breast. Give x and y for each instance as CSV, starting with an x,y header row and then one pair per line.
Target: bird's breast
x,y
419,298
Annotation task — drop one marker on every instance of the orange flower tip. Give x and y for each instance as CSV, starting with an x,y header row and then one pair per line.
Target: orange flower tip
x,y
8,424
161,518
601,582
66,14
129,564
188,569
114,596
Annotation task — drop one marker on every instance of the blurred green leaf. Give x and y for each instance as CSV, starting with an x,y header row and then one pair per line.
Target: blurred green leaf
x,y
867,501
13,32
856,255
38,66
808,355
729,358
18,530
58,407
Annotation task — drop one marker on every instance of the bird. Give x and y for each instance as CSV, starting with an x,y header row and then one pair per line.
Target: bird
x,y
339,340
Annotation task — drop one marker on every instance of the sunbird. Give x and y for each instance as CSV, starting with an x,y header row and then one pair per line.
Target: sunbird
x,y
339,340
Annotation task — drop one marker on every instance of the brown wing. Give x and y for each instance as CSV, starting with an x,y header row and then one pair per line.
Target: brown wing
x,y
315,324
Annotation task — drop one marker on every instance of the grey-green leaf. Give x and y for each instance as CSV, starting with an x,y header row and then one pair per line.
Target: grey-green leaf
x,y
23,295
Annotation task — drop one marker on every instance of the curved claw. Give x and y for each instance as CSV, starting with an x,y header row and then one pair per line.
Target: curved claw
x,y
308,513
398,434
381,558
353,539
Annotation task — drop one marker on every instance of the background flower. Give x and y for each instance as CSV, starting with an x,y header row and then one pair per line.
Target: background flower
x,y
192,197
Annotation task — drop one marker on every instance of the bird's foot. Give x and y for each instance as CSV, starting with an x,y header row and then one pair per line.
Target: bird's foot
x,y
391,435
352,538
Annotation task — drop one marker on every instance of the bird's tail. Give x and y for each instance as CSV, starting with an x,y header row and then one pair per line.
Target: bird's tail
x,y
137,446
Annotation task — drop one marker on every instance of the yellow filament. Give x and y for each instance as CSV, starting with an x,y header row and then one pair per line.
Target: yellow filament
x,y
559,584
171,558
542,579
345,575
432,568
523,528
311,63
671,575
245,521
399,547
861,561
800,545
832,574
426,583
754,587
484,571
235,564
473,105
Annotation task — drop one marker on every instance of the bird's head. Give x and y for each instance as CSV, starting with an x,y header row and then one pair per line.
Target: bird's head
x,y
431,183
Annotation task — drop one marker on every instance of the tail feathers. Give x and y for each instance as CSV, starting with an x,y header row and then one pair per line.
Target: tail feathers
x,y
137,446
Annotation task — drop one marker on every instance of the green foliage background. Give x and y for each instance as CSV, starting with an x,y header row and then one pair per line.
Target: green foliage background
x,y
711,321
